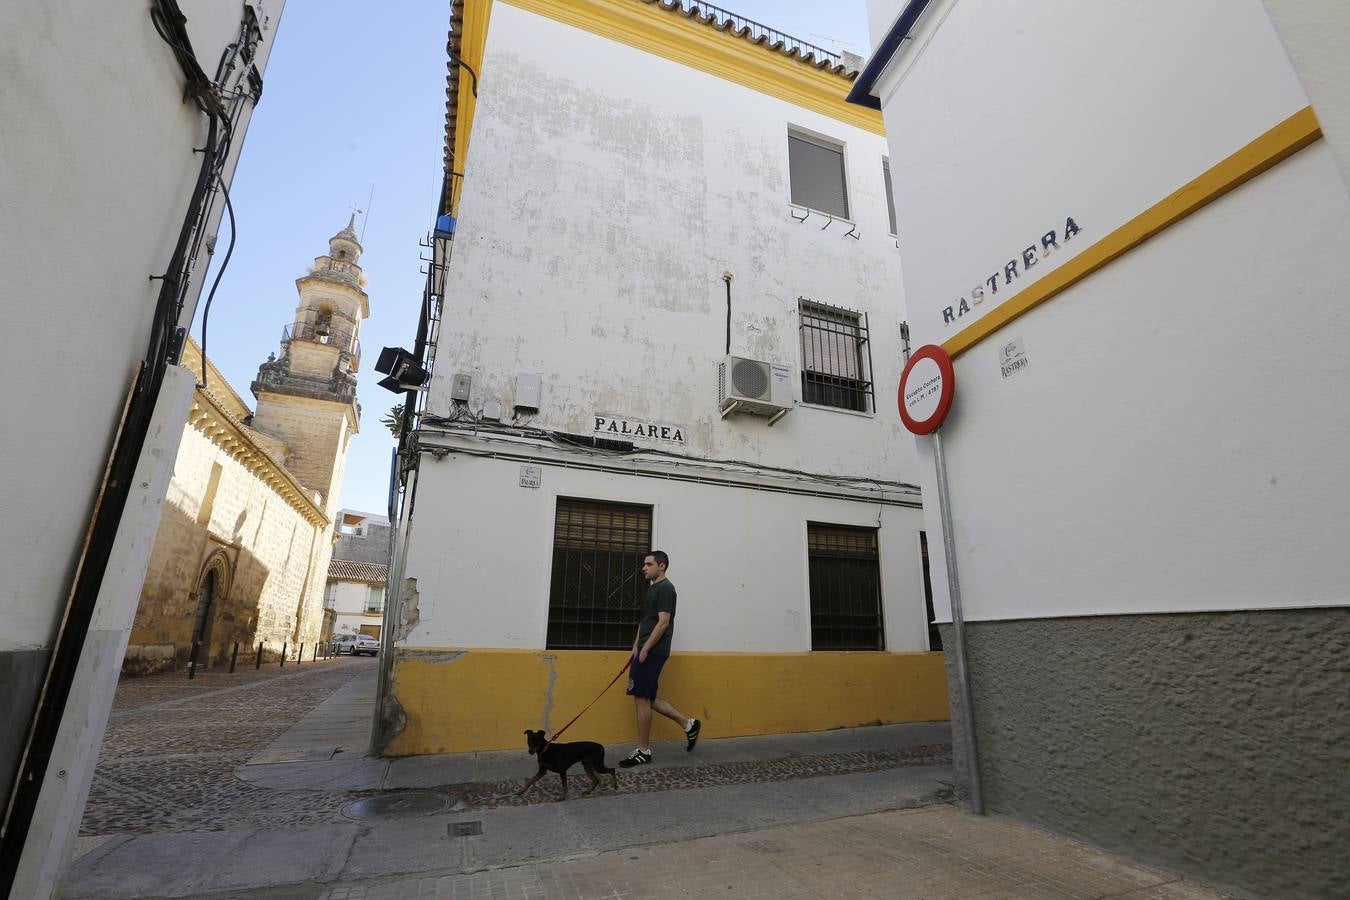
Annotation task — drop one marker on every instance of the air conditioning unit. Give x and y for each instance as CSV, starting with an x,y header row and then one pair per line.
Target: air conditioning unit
x,y
753,387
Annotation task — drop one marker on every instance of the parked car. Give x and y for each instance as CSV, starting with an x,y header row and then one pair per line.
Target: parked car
x,y
355,644
343,643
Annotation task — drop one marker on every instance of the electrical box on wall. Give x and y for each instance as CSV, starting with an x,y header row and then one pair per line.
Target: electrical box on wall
x,y
460,386
528,388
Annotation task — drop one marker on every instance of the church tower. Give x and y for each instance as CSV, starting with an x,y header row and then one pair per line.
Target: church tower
x,y
307,398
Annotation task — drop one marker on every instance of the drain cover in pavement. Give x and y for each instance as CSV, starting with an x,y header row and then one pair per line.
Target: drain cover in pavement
x,y
465,829
396,806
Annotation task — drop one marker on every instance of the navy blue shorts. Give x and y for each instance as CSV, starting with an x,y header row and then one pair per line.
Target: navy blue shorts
x,y
642,676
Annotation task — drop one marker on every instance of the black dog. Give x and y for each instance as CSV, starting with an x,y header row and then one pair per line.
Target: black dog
x,y
561,757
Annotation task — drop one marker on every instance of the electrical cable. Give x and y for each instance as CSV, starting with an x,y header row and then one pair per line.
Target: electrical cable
x,y
688,460
224,264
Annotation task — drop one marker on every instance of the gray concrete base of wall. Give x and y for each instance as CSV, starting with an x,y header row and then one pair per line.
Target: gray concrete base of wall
x,y
1216,745
21,674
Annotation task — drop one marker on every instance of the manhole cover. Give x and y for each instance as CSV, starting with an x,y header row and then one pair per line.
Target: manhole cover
x,y
396,806
465,829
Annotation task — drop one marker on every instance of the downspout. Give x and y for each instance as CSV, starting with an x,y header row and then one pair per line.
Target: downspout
x,y
727,276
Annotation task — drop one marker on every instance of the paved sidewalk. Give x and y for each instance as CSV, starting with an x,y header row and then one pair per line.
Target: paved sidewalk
x,y
935,852
291,808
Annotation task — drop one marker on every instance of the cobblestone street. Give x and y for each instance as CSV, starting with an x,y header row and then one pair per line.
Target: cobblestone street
x,y
172,745
223,786
169,758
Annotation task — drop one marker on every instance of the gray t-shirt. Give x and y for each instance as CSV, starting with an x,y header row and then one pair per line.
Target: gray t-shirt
x,y
660,598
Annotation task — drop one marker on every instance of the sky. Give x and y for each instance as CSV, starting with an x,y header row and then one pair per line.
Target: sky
x,y
354,98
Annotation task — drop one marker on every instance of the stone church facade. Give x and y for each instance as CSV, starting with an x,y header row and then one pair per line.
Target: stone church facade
x,y
242,553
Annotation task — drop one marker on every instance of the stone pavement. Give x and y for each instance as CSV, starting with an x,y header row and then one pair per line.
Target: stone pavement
x,y
256,788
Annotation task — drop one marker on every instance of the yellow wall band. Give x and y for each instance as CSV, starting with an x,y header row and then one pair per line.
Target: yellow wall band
x,y
455,701
1276,145
662,33
472,42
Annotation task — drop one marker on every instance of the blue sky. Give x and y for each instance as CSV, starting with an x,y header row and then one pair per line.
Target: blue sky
x,y
355,95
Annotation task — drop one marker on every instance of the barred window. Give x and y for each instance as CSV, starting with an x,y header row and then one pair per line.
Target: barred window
x,y
816,175
596,590
375,598
836,357
845,580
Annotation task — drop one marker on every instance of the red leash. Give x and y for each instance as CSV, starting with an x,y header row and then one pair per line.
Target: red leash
x,y
557,733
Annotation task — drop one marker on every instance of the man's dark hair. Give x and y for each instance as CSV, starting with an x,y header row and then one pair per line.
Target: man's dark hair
x,y
659,556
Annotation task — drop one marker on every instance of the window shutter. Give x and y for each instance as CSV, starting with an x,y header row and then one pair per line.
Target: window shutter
x,y
817,175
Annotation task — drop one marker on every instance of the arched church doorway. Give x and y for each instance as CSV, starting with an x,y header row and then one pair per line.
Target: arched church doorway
x,y
211,590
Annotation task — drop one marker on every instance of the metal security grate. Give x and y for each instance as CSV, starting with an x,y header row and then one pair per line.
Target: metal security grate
x,y
845,588
595,597
836,357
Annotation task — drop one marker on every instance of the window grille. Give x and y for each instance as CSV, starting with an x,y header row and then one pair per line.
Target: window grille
x,y
816,174
845,582
375,599
597,588
890,200
934,635
836,357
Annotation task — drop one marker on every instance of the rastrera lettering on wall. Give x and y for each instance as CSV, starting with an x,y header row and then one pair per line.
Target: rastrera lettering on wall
x,y
1005,279
617,428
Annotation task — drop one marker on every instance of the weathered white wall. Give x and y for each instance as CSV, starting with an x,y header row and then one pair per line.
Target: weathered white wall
x,y
349,603
1058,120
1315,34
98,169
738,557
607,191
1174,443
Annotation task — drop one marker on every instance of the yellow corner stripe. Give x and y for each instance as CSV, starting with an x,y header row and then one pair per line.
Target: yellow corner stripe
x,y
666,34
1276,145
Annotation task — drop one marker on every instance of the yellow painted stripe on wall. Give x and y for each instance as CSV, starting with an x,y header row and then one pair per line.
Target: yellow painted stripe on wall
x,y
459,701
672,36
1271,148
473,41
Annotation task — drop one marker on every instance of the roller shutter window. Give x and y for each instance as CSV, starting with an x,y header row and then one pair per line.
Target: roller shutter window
x,y
816,171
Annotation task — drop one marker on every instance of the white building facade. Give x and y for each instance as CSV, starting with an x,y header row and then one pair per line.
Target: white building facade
x,y
353,598
1123,223
646,194
111,209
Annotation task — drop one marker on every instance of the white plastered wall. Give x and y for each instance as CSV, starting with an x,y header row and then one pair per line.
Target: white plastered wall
x,y
95,183
738,557
607,190
1174,442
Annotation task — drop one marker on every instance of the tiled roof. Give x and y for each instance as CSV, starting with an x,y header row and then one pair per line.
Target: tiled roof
x,y
702,13
346,570
769,38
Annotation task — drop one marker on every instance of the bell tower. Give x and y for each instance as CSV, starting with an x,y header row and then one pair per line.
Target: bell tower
x,y
307,397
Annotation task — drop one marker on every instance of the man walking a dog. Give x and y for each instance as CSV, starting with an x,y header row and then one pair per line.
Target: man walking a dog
x,y
651,648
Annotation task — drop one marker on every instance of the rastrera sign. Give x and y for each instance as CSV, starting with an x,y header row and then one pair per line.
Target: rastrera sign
x,y
926,389
617,429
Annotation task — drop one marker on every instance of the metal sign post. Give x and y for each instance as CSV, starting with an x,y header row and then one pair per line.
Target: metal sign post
x,y
927,387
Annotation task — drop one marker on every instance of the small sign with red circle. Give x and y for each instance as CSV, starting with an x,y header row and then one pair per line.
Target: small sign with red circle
x,y
926,389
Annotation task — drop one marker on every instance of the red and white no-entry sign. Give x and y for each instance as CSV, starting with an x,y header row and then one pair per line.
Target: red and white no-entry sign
x,y
926,389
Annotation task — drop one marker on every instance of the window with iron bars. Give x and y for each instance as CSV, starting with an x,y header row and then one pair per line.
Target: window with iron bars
x,y
596,590
845,582
836,357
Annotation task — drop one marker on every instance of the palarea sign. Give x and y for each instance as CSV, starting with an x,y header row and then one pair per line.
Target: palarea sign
x,y
926,389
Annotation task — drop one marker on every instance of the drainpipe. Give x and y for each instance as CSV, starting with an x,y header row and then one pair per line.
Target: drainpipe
x,y
727,276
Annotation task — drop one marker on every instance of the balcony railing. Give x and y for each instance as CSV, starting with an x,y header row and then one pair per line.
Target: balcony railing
x,y
335,336
757,30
